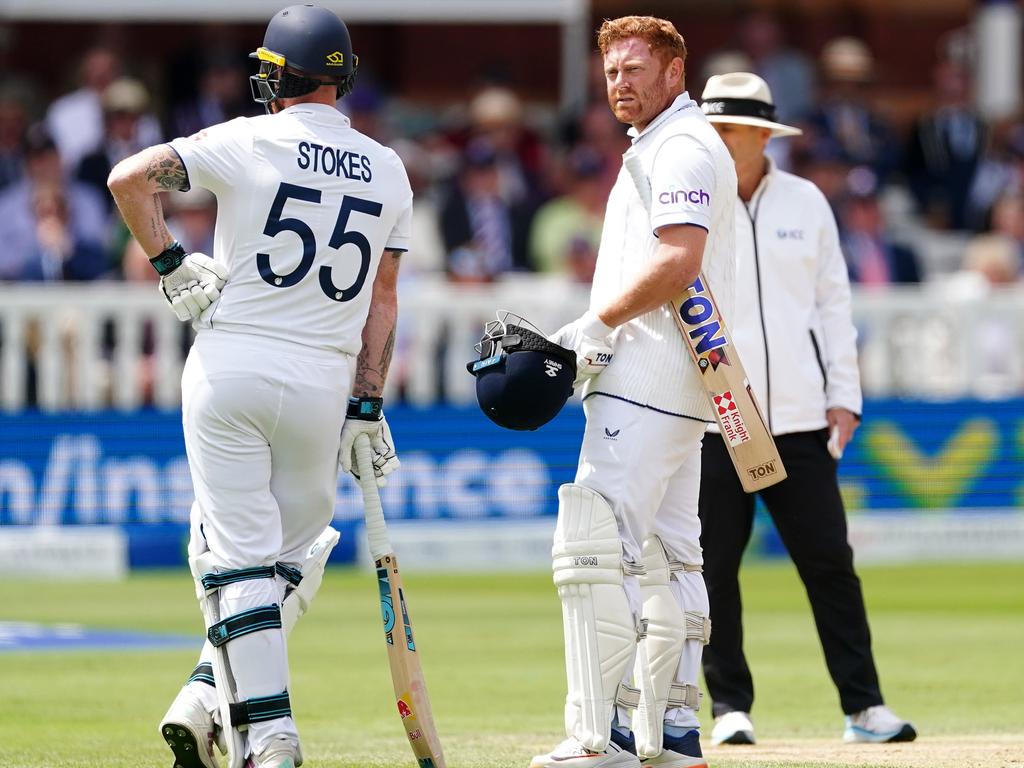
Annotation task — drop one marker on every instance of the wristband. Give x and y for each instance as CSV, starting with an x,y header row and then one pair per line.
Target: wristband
x,y
169,259
365,408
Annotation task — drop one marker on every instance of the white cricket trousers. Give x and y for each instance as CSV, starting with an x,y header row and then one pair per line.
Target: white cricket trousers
x,y
646,465
262,422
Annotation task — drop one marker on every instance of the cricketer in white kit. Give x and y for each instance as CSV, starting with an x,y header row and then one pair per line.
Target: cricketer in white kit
x,y
627,556
287,367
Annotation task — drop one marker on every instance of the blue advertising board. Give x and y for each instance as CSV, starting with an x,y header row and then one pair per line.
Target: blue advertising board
x,y
130,470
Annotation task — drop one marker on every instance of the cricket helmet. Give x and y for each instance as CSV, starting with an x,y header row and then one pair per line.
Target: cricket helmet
x,y
522,379
304,47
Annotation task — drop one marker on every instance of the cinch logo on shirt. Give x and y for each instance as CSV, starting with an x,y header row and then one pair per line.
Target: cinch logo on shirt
x,y
695,196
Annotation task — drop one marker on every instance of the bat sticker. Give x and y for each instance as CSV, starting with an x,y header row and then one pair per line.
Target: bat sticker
x,y
762,470
387,609
698,313
410,644
733,426
403,707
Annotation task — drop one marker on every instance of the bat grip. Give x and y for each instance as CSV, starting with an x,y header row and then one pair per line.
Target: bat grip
x,y
376,529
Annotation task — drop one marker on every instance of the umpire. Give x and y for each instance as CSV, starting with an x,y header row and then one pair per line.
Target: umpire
x,y
793,329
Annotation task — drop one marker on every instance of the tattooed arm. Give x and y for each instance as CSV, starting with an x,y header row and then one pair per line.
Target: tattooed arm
x,y
136,183
379,331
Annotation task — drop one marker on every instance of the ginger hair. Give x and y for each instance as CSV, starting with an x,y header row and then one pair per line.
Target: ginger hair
x,y
660,35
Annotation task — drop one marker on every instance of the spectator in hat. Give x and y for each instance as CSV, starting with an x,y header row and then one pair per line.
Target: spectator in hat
x,y
872,257
484,233
845,121
76,119
497,117
125,102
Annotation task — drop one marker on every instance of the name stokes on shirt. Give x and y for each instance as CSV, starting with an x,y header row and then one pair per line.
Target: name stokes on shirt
x,y
332,161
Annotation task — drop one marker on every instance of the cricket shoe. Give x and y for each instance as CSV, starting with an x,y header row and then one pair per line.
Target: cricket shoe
x,y
877,724
732,728
280,753
571,754
189,730
678,752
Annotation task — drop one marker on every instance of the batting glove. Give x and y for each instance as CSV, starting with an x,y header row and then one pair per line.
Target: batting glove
x,y
189,282
590,338
366,417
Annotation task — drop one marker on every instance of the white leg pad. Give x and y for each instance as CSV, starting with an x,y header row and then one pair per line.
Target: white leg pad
x,y
250,661
600,629
691,593
209,604
297,600
656,665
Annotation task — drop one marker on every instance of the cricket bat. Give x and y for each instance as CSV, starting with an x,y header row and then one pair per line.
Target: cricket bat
x,y
403,654
750,444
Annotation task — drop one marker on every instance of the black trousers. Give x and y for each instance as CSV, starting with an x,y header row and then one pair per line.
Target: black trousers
x,y
809,516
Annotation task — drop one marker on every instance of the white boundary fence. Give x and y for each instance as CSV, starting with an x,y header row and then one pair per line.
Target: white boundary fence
x,y
933,342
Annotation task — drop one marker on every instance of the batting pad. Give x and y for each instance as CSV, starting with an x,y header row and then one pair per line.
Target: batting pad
x,y
600,629
243,618
656,664
298,599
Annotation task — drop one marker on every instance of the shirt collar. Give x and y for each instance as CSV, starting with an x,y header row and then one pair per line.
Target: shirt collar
x,y
681,102
318,111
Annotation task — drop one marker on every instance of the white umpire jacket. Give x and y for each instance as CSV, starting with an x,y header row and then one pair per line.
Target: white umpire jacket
x,y
792,323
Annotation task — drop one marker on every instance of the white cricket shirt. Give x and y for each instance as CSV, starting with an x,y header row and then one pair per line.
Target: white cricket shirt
x,y
693,181
306,205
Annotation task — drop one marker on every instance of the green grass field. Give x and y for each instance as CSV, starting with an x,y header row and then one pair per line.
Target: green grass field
x,y
948,642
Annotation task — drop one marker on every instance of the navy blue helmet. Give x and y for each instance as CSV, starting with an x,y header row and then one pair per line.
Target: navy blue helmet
x,y
522,379
305,46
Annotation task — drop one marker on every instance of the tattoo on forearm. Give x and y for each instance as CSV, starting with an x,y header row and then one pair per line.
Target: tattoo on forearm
x,y
156,222
367,378
385,354
370,378
167,170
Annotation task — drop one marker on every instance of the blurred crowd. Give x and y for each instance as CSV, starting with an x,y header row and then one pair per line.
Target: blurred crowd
x,y
507,186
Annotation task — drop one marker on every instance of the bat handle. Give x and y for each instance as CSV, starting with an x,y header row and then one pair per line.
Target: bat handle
x,y
376,529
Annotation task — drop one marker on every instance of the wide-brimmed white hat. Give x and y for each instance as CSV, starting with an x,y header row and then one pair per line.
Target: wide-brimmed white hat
x,y
742,98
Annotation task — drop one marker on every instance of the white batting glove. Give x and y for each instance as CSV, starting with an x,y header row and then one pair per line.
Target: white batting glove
x,y
365,417
590,338
193,286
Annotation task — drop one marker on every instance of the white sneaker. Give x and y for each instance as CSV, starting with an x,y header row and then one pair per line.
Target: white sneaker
x,y
571,754
280,754
189,731
732,728
877,724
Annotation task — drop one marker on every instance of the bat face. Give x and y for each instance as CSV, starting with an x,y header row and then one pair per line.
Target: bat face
x,y
406,672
